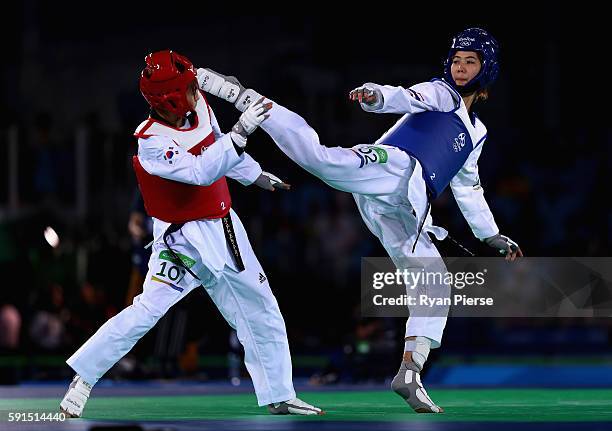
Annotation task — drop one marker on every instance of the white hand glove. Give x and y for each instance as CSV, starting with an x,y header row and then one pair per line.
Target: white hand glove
x,y
250,119
254,115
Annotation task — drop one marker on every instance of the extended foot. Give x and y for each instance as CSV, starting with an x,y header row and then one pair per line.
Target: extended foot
x,y
407,384
75,399
227,88
294,407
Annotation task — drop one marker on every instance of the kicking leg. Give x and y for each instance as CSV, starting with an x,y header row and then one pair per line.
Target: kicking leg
x,y
364,169
367,169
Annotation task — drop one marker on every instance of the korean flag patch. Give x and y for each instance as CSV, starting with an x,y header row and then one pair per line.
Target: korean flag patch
x,y
170,153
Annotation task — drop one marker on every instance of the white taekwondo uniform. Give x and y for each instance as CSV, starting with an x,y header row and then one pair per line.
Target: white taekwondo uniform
x,y
387,184
244,298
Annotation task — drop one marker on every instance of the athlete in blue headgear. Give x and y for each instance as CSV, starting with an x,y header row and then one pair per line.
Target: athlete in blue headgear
x,y
436,143
486,66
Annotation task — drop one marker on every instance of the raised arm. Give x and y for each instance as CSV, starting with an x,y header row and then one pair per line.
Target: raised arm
x,y
247,170
163,157
426,96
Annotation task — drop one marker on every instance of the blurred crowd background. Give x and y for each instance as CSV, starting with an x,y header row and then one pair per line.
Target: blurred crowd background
x,y
70,102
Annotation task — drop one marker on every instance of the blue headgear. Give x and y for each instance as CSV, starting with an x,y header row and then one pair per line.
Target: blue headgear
x,y
477,40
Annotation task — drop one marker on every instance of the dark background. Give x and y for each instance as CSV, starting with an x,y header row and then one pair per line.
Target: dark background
x,y
67,72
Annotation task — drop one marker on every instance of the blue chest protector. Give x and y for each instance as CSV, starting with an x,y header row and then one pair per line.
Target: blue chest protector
x,y
440,142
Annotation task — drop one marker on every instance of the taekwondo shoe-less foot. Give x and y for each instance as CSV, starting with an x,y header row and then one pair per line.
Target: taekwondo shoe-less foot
x,y
407,384
75,399
227,88
294,407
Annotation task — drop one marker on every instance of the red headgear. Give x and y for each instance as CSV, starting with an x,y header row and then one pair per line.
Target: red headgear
x,y
165,81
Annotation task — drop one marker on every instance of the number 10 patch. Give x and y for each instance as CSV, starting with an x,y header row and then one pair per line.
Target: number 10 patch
x,y
171,271
370,154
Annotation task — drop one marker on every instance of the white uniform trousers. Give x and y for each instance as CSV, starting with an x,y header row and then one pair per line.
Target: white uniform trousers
x,y
244,299
379,182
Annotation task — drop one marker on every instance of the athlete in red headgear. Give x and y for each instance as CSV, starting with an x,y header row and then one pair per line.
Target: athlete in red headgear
x,y
183,159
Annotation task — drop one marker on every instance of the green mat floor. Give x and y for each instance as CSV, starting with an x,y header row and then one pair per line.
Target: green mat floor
x,y
528,405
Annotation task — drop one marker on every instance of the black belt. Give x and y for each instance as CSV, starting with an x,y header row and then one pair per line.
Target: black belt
x,y
422,223
230,238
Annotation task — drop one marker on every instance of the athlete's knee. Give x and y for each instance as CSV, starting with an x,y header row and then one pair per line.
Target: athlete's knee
x,y
268,326
305,135
149,313
317,158
274,327
137,319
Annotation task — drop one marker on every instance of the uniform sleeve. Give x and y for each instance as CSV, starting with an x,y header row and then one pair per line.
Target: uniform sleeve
x,y
245,172
426,96
161,156
469,195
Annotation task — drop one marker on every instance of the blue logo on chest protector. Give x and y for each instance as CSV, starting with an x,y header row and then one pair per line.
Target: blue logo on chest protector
x,y
459,142
440,142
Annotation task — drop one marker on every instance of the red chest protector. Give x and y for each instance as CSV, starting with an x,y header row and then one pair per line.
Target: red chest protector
x,y
173,201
